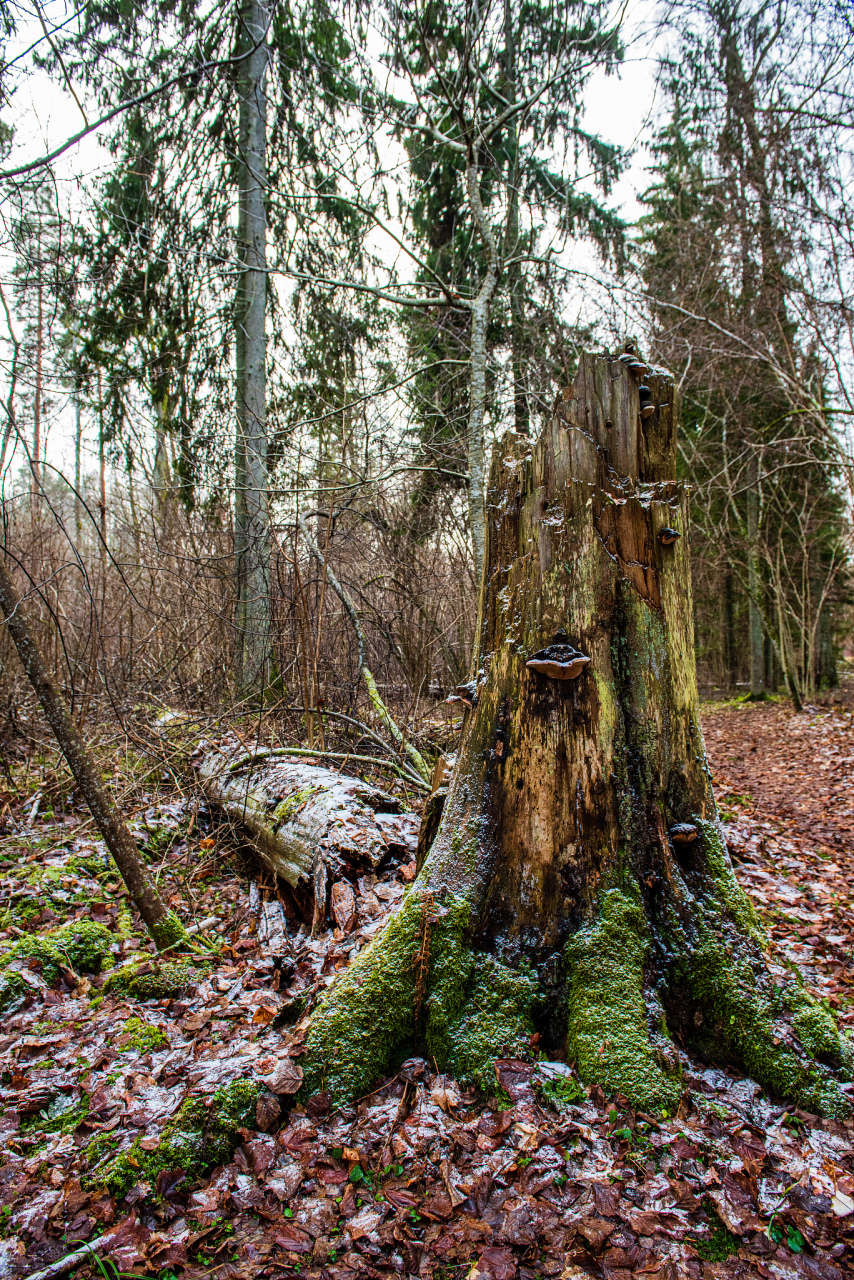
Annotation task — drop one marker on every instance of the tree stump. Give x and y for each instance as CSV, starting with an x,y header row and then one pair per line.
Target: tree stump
x,y
579,884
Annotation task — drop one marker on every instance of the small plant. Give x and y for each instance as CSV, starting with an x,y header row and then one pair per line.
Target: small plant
x,y
557,1091
781,1232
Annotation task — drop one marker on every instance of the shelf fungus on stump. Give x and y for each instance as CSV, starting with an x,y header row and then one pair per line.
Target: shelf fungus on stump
x,y
647,408
668,536
683,833
558,662
465,693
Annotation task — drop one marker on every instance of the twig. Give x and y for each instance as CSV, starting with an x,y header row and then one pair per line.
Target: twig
x,y
72,1260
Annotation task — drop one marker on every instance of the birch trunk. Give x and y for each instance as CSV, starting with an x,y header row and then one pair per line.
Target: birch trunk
x,y
579,885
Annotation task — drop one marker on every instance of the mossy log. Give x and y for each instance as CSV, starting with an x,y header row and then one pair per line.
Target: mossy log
x,y
308,825
579,884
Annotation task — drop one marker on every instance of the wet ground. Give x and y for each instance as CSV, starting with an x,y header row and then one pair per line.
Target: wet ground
x,y
421,1178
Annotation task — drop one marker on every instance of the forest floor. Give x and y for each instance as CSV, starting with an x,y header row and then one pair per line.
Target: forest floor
x,y
421,1178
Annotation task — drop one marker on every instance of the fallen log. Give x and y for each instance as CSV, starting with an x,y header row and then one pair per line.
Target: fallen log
x,y
308,825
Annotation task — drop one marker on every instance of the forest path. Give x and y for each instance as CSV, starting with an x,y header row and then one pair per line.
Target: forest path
x,y
784,783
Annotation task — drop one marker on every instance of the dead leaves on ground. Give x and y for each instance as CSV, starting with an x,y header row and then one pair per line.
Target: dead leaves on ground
x,y
423,1178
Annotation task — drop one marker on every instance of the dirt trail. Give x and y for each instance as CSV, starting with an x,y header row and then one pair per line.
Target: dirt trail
x,y
785,787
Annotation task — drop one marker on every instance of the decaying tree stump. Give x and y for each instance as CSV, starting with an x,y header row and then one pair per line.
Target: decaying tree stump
x,y
308,825
579,883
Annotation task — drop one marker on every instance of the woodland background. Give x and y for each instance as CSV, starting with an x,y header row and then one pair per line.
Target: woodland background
x,y
329,254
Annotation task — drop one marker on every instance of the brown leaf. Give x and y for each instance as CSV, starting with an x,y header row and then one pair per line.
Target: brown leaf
x,y
319,1105
286,1078
268,1111
645,1223
494,1264
514,1076
437,1205
606,1198
264,1015
596,1230
365,1222
343,905
292,1240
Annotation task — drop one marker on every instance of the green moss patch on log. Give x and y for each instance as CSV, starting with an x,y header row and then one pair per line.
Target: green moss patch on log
x,y
204,1133
609,1033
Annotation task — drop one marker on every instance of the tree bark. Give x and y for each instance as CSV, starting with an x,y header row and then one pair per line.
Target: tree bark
x,y
252,530
515,288
579,884
481,307
754,582
164,927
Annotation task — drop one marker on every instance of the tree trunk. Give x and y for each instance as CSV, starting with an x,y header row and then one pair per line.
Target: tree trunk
x,y
754,583
164,927
252,532
579,884
481,307
310,826
511,240
78,438
35,483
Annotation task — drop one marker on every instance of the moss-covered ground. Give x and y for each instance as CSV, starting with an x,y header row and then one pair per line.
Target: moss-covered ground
x,y
202,1134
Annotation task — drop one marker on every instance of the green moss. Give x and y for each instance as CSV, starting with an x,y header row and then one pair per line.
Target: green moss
x,y
489,1019
369,1011
728,891
13,992
143,1037
83,946
608,1033
720,1243
62,1114
476,1008
168,932
166,978
285,811
744,1017
557,1091
817,1028
204,1133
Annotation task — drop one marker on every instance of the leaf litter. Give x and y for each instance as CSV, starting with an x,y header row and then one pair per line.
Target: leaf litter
x,y
543,1178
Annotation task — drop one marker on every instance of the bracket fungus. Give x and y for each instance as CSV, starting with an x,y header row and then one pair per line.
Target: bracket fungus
x,y
465,693
668,536
558,662
683,833
647,408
